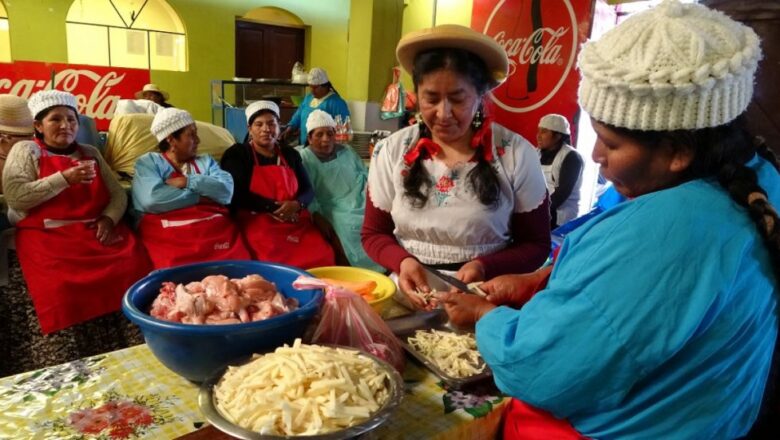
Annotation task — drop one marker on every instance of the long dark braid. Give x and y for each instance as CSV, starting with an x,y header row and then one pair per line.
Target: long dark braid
x,y
722,152
417,182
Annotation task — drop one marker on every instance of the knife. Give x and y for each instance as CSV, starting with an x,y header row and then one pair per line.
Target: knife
x,y
450,280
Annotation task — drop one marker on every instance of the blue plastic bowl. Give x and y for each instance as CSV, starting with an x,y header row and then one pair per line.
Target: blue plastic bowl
x,y
195,352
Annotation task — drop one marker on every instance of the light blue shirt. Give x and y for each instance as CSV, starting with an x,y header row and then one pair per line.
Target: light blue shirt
x,y
333,105
658,321
152,195
340,196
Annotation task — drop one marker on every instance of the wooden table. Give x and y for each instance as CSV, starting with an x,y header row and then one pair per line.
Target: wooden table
x,y
128,394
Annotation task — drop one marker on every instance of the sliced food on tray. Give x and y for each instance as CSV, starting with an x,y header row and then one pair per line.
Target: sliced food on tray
x,y
303,390
455,354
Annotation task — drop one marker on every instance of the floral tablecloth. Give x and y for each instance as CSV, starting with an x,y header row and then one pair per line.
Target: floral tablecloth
x,y
128,394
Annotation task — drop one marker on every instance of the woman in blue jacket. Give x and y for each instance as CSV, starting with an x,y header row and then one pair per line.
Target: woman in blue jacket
x,y
659,318
182,197
323,97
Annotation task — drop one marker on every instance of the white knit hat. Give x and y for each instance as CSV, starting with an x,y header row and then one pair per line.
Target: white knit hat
x,y
555,122
15,117
677,66
317,119
168,120
317,77
51,98
261,105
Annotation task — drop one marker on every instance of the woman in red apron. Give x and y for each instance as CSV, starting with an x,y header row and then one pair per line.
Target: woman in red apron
x,y
271,194
77,255
182,197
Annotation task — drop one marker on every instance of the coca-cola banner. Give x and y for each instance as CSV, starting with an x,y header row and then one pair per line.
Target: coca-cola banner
x,y
96,88
542,39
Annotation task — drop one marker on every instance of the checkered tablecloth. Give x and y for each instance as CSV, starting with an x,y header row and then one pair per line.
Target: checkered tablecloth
x,y
128,394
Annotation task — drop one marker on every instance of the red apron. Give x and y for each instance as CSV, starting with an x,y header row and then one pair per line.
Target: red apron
x,y
524,422
298,244
202,232
71,276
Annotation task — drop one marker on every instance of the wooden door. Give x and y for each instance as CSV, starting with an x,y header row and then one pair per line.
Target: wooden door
x,y
763,114
267,51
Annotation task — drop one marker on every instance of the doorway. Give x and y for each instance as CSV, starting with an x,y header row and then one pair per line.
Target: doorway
x,y
267,51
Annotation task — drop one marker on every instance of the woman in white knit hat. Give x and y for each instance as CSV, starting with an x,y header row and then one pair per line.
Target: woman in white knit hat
x,y
183,197
77,255
272,192
562,167
339,177
457,191
660,317
323,97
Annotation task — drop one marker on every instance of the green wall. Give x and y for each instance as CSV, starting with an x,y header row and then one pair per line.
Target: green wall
x,y
357,53
38,34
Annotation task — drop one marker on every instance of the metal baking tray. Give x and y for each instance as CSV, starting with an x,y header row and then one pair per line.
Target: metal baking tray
x,y
405,327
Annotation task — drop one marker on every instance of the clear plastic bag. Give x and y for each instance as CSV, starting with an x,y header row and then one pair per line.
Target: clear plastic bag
x,y
347,319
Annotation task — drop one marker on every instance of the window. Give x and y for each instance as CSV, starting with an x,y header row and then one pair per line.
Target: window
x,y
145,34
5,41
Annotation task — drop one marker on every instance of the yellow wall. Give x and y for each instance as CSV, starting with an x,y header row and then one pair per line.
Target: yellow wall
x,y
374,30
38,34
418,14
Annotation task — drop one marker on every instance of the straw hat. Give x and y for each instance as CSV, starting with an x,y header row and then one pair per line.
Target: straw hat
x,y
151,88
453,36
15,117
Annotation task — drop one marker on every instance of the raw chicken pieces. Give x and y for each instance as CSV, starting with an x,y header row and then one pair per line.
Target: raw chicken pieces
x,y
219,300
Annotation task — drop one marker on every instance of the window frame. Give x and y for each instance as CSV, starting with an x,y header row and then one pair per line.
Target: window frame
x,y
129,27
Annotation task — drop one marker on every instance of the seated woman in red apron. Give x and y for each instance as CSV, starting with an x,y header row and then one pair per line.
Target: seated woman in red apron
x,y
271,194
77,255
182,198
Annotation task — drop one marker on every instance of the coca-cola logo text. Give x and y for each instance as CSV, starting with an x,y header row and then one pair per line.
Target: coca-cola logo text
x,y
541,44
533,49
97,89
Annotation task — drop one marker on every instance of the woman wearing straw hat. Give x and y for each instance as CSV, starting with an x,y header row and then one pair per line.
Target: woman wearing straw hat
x,y
77,255
182,197
339,177
323,97
153,93
669,333
562,167
272,191
16,124
456,191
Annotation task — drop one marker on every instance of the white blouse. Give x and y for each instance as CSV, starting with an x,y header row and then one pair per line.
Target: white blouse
x,y
454,226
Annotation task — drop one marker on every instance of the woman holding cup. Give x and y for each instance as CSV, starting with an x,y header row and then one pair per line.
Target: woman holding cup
x,y
77,255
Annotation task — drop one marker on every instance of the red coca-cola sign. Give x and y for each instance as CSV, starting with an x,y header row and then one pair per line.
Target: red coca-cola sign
x,y
97,88
541,39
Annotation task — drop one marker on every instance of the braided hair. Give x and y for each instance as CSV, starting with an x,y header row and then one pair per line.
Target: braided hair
x,y
482,178
721,152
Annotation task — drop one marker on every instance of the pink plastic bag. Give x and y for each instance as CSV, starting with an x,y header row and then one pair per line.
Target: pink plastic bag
x,y
347,319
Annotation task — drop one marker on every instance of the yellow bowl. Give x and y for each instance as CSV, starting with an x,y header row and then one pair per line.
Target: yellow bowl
x,y
385,287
